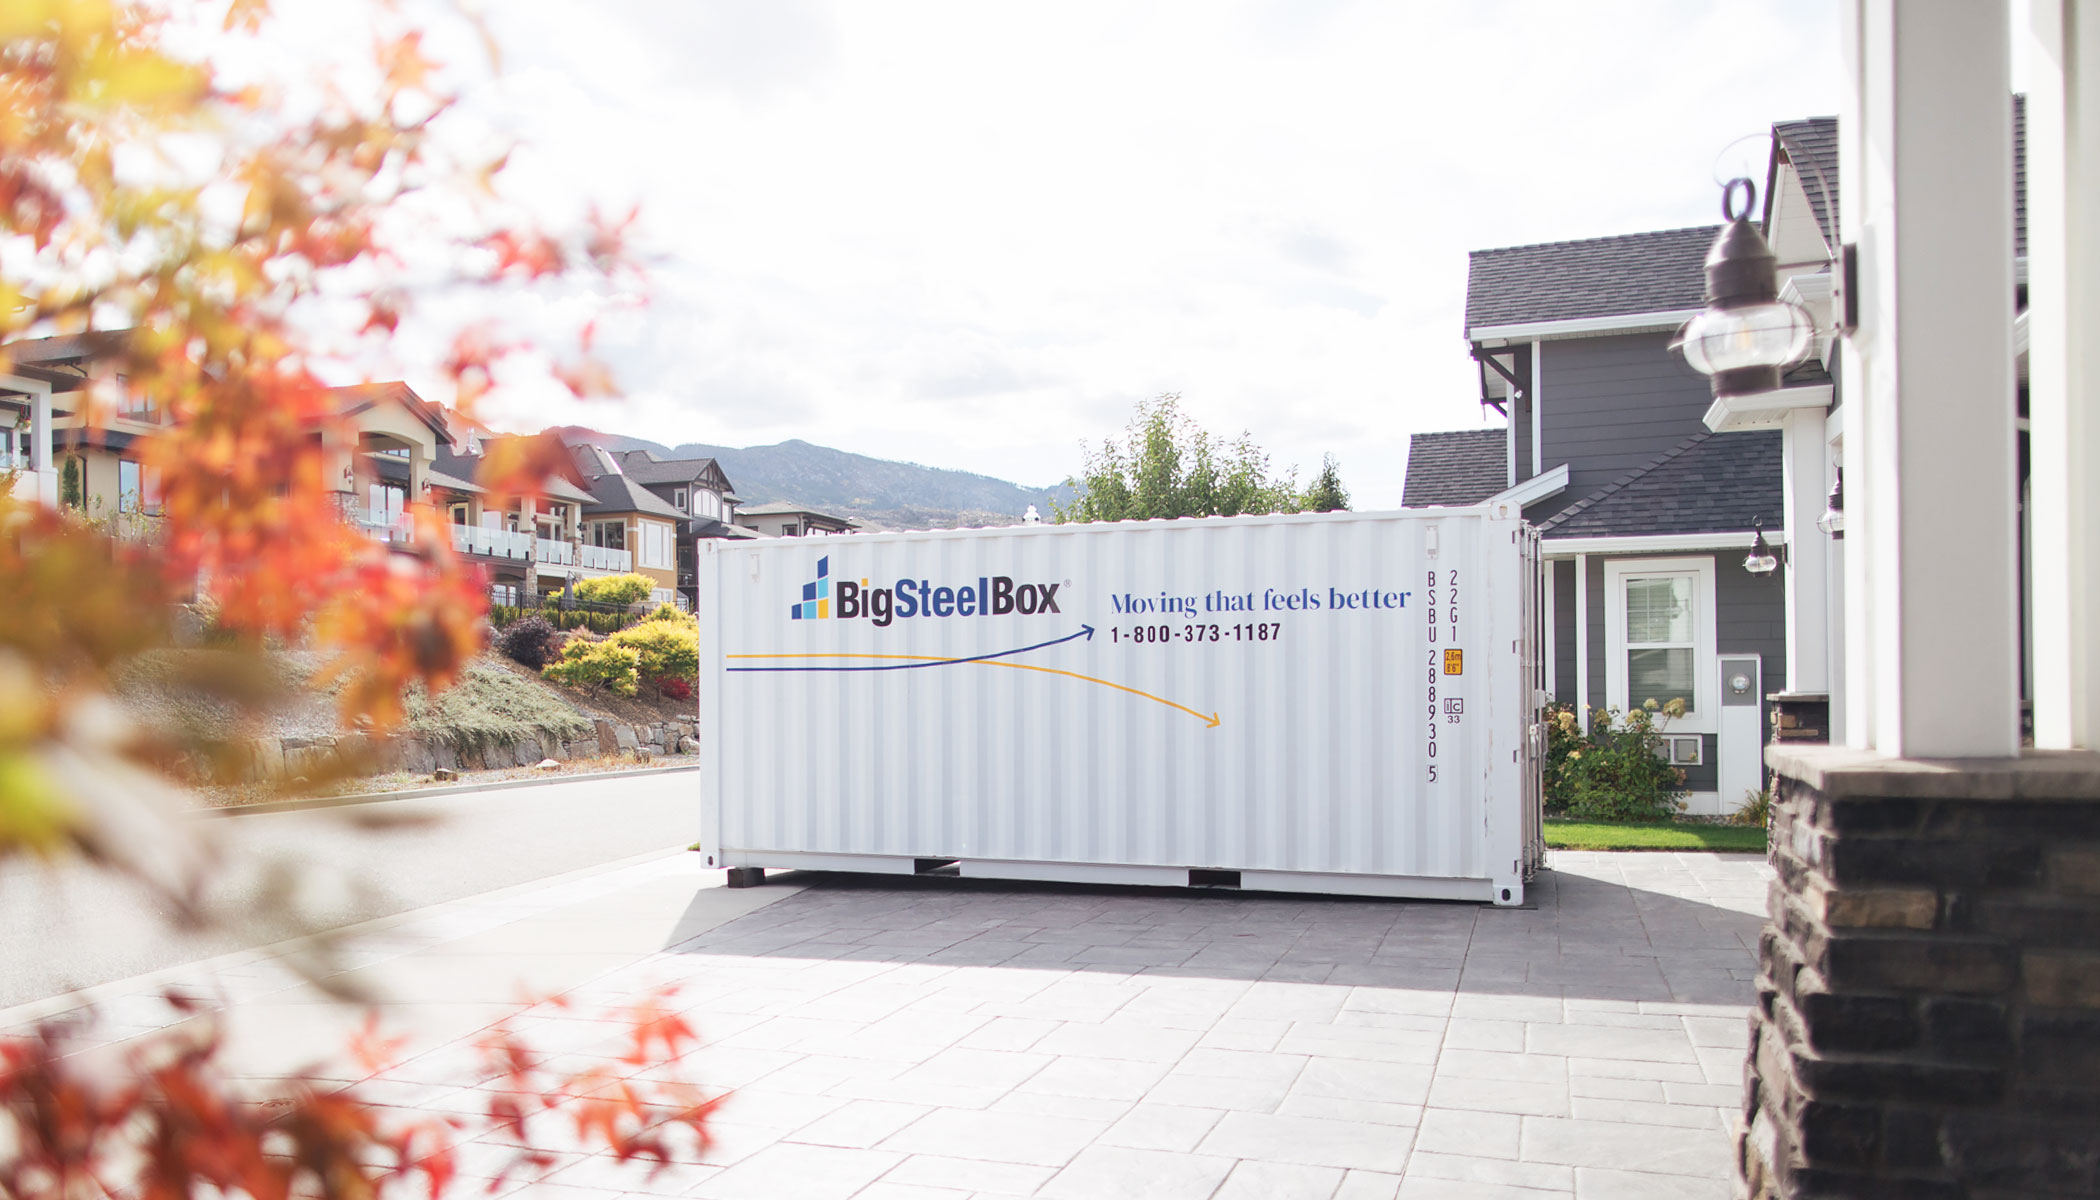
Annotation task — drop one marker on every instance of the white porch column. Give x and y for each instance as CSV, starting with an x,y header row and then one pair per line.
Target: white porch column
x,y
2063,403
1807,566
1931,588
42,481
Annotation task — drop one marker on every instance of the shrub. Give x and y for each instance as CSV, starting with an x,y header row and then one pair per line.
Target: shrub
x,y
667,612
490,706
598,666
621,590
676,688
530,641
668,649
1756,809
1615,772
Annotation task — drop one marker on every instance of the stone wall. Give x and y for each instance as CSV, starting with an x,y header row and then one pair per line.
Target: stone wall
x,y
1928,1021
357,754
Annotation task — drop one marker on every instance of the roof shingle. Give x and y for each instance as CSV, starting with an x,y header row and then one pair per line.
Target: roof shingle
x,y
1708,483
1812,144
1632,273
619,493
1462,466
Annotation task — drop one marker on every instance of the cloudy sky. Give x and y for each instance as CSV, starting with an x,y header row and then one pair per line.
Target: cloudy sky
x,y
973,234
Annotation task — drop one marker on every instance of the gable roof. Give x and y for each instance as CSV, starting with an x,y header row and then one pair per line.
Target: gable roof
x,y
1707,483
1632,273
1462,466
467,468
619,493
788,508
364,397
645,466
1812,145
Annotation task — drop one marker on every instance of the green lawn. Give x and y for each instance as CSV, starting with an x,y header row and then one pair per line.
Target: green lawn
x,y
1652,835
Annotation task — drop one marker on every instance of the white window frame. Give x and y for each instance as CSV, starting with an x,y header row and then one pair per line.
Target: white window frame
x,y
1706,682
678,499
658,547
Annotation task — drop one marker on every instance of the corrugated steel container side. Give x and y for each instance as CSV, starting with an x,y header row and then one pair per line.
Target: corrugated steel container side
x,y
1232,732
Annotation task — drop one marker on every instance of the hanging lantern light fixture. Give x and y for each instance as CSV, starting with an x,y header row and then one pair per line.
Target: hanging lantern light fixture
x,y
1832,521
1747,334
1761,560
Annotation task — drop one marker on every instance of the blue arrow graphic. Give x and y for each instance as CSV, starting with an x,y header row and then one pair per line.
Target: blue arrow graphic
x,y
1085,631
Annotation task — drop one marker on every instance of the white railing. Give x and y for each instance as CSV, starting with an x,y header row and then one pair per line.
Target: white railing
x,y
663,596
606,560
493,543
552,551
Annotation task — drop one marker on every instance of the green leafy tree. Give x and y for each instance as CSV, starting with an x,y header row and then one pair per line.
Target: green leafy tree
x,y
1166,465
1326,493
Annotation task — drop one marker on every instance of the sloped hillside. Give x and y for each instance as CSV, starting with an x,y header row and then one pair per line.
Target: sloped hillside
x,y
878,492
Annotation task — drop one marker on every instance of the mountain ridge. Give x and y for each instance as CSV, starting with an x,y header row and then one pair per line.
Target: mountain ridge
x,y
879,493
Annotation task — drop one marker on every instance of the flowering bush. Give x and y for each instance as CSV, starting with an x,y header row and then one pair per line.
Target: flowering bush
x,y
1615,772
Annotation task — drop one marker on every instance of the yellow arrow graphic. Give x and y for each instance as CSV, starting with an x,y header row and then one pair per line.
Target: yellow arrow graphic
x,y
1210,720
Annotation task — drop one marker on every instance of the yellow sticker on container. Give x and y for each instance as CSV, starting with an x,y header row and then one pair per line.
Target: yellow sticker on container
x,y
1454,662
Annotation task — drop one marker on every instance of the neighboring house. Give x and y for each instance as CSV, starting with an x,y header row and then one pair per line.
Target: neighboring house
x,y
1648,491
792,520
533,545
383,454
1645,514
696,487
625,515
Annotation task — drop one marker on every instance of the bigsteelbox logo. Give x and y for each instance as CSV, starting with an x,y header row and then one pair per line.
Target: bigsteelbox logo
x,y
989,596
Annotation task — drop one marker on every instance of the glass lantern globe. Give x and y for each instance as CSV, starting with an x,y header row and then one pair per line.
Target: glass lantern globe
x,y
1746,334
1772,334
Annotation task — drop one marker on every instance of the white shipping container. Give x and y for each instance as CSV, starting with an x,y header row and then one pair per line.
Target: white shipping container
x,y
1338,702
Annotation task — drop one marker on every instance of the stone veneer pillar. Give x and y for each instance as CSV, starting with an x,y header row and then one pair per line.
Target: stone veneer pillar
x,y
1928,1020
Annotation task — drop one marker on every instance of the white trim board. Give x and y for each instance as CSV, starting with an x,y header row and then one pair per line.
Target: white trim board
x,y
1534,489
1525,331
1657,543
1764,410
1538,443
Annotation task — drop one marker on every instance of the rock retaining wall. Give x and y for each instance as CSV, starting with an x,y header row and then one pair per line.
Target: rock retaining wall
x,y
1928,1021
359,754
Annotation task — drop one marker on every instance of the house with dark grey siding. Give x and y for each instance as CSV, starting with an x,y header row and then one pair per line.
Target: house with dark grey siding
x,y
1648,491
1645,513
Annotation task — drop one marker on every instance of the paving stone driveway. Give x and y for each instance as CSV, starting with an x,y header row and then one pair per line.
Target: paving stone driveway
x,y
948,1039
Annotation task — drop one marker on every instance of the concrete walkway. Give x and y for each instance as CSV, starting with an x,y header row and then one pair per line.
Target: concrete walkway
x,y
943,1038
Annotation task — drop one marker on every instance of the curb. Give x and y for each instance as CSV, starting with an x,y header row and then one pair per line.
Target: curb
x,y
278,806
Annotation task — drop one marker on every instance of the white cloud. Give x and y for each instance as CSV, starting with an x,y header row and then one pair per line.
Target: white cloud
x,y
973,234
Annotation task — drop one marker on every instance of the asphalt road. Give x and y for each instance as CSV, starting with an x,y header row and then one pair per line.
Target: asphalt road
x,y
75,926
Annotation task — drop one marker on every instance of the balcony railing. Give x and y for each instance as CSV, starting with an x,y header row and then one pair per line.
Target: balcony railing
x,y
558,552
605,560
492,543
